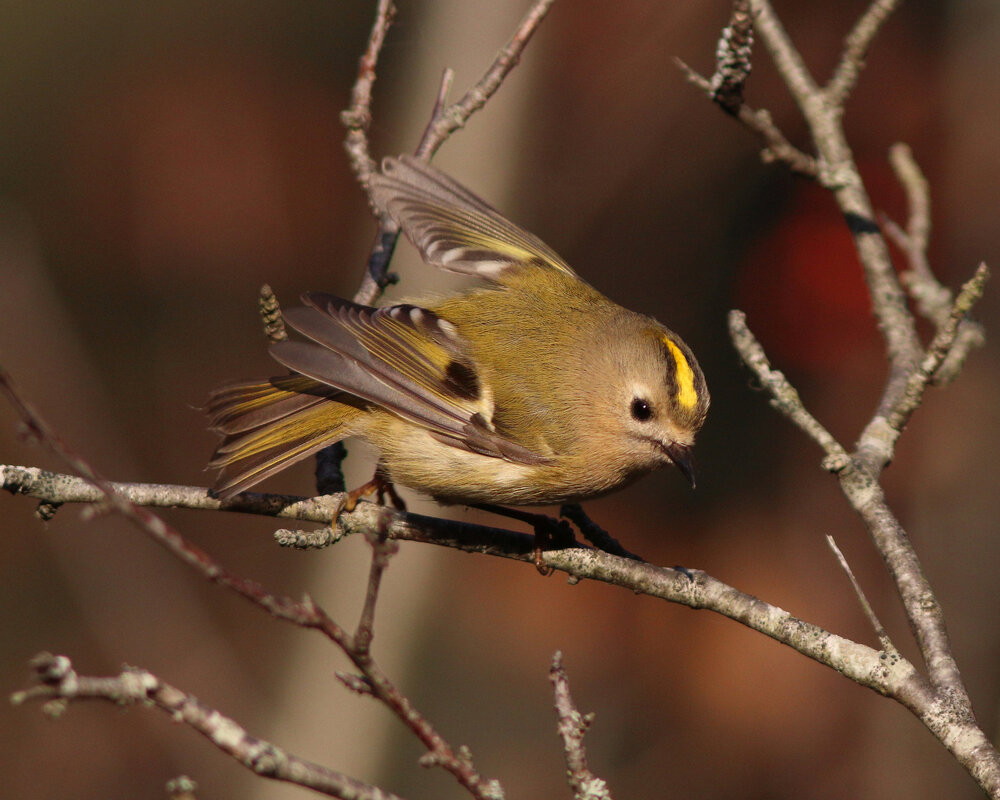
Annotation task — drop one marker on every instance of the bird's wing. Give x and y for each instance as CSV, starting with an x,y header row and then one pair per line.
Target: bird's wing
x,y
453,228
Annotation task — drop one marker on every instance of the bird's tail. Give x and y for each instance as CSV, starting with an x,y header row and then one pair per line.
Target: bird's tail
x,y
269,426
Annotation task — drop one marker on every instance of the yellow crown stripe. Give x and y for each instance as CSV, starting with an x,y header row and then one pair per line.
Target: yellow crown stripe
x,y
687,396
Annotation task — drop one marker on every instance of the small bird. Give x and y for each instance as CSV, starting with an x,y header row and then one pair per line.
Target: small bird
x,y
532,389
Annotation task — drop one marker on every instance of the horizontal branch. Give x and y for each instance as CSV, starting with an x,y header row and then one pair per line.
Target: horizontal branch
x,y
58,681
692,588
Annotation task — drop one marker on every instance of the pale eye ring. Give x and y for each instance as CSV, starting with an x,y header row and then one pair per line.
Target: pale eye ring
x,y
641,410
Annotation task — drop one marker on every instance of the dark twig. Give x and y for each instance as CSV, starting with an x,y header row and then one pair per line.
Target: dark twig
x,y
383,548
572,727
58,681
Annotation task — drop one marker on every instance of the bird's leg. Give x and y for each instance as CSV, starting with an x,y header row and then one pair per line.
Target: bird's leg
x,y
550,534
381,487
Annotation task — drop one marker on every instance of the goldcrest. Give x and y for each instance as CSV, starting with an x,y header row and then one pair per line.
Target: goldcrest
x,y
531,389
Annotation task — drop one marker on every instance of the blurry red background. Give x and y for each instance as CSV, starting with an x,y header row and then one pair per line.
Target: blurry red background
x,y
159,162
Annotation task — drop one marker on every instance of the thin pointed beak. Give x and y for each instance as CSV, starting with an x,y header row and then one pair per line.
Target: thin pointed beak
x,y
681,456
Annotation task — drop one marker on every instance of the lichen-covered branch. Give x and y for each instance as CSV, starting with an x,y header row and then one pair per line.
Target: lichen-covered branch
x,y
572,728
59,684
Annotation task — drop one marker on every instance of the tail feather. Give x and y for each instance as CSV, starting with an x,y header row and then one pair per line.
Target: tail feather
x,y
269,426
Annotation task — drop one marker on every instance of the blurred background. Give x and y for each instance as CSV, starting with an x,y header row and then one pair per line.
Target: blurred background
x,y
159,162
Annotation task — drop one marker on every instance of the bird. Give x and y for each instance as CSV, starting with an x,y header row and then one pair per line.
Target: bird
x,y
528,388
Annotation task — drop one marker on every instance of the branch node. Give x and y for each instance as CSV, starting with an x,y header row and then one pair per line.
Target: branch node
x,y
181,788
836,463
358,684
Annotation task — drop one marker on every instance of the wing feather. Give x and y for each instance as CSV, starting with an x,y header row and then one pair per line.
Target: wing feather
x,y
453,228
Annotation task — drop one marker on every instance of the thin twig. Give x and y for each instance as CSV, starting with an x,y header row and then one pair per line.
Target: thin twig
x,y
941,347
357,118
305,614
785,55
852,60
777,148
572,727
450,118
933,300
444,121
866,607
58,681
383,548
784,396
840,174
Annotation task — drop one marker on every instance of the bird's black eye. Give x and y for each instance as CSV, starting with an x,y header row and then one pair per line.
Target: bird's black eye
x,y
641,410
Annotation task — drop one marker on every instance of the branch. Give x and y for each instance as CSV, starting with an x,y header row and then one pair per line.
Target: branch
x,y
866,607
59,684
852,60
784,397
357,117
695,588
445,120
305,613
933,300
862,664
777,148
572,728
839,173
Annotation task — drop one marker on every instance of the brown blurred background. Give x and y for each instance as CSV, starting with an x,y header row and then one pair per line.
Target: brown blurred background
x,y
158,162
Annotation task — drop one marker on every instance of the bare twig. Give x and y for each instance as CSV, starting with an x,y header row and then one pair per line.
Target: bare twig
x,y
448,119
777,148
383,548
918,196
941,347
59,682
852,60
933,300
305,614
866,607
444,121
357,118
911,369
784,397
572,728
840,174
